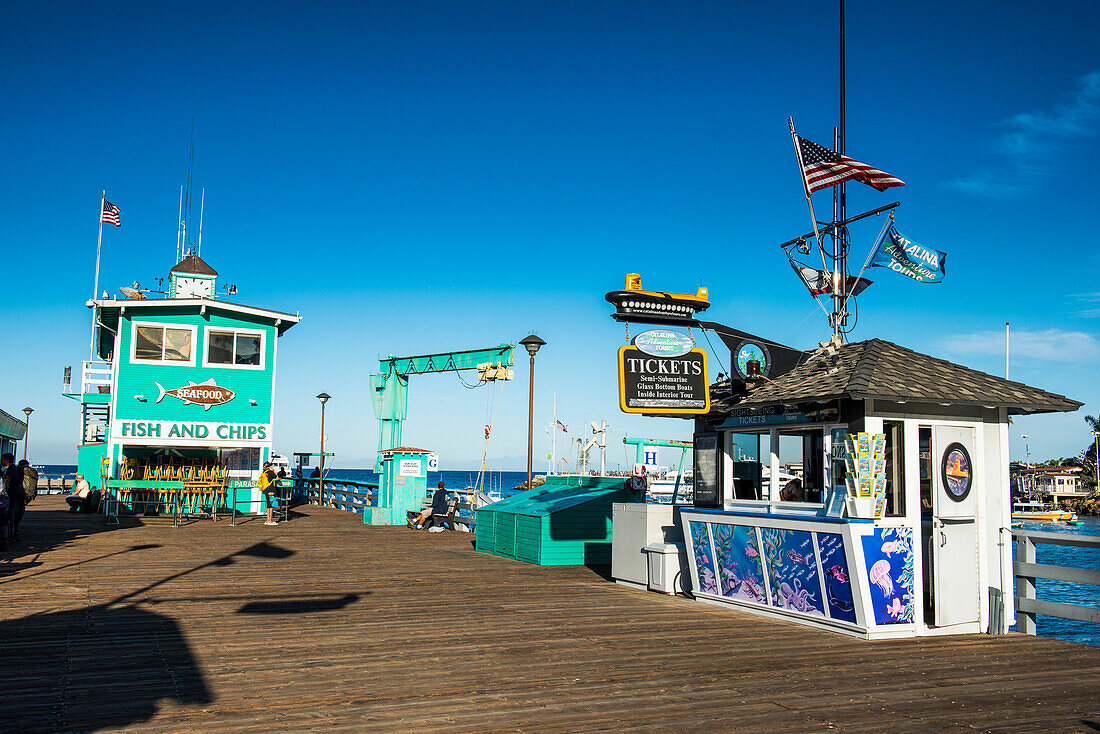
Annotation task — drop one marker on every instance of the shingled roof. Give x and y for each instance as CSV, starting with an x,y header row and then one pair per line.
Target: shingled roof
x,y
878,369
194,264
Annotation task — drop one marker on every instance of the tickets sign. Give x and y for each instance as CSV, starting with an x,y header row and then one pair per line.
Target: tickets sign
x,y
663,385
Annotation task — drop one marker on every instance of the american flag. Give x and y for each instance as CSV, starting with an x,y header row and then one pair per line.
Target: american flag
x,y
110,214
823,168
561,426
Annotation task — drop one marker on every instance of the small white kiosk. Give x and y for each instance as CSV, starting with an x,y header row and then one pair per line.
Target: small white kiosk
x,y
924,551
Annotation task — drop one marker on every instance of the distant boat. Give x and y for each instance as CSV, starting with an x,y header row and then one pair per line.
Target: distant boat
x,y
278,461
1041,512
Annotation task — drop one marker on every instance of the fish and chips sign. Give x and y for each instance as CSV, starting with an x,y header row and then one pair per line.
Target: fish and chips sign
x,y
662,373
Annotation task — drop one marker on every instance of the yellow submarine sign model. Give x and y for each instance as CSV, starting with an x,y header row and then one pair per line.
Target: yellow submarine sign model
x,y
637,305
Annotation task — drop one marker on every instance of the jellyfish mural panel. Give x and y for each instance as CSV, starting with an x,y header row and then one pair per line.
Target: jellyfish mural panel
x,y
705,580
737,555
792,570
888,554
838,588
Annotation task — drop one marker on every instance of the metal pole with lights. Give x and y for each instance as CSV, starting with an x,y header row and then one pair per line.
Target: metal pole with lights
x,y
1097,457
27,435
533,344
323,397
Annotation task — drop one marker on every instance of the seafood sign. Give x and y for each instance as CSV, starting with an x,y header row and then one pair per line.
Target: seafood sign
x,y
207,394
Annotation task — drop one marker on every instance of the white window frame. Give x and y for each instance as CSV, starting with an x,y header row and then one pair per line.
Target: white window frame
x,y
235,331
170,362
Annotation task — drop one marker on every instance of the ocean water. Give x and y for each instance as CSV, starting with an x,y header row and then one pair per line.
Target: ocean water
x,y
493,480
1058,555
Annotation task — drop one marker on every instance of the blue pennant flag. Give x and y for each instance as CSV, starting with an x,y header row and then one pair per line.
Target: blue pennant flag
x,y
903,255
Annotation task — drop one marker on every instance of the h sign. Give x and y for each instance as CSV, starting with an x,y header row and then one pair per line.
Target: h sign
x,y
650,458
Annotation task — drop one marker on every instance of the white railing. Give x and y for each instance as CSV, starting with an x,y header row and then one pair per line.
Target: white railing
x,y
1027,569
94,375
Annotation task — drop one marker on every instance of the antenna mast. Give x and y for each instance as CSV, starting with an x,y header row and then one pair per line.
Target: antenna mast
x,y
179,230
202,204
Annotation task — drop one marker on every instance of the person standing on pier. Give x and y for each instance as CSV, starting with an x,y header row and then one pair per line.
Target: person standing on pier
x,y
13,485
268,482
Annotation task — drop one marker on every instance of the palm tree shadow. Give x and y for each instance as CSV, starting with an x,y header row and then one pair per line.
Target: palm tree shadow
x,y
110,667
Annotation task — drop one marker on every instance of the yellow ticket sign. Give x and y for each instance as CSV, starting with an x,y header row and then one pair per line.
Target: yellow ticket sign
x,y
663,385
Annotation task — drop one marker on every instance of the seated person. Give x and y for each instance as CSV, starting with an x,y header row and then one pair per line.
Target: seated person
x,y
438,507
792,492
80,499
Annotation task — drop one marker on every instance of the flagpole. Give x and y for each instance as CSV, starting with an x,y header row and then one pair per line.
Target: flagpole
x,y
840,264
95,289
806,190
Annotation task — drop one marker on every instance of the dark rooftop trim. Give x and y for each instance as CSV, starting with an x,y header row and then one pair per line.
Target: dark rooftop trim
x,y
881,370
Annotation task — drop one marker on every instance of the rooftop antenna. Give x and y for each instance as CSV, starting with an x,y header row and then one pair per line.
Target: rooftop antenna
x,y
186,246
202,204
179,230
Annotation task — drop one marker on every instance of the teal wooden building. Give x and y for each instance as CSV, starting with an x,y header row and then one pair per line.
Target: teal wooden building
x,y
565,522
182,387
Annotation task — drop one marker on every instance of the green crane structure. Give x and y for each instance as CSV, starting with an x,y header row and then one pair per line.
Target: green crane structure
x,y
390,386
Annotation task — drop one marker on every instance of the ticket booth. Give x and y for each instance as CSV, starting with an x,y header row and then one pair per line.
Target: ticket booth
x,y
402,484
865,491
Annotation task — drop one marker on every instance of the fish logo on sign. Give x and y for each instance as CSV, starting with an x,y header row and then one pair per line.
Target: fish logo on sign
x,y
206,394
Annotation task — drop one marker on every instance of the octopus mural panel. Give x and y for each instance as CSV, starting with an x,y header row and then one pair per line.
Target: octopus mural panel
x,y
792,570
737,554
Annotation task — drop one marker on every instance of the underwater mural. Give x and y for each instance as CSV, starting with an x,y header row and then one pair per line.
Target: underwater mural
x,y
792,570
834,564
737,554
706,582
888,553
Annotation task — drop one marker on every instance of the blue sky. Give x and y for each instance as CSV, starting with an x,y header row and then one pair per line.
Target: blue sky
x,y
416,177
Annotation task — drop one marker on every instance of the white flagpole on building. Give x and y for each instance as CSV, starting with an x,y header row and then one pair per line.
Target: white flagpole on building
x,y
95,289
806,190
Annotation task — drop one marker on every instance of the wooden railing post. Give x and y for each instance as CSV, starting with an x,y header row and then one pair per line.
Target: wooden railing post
x,y
1025,585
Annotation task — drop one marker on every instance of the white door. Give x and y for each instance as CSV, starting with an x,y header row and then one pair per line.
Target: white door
x,y
954,530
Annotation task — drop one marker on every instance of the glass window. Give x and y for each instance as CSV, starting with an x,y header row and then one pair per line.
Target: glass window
x,y
745,456
801,473
150,342
220,348
895,468
162,344
177,345
924,442
233,347
248,349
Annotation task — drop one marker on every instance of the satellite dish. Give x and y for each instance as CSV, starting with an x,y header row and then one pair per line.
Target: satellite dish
x,y
132,293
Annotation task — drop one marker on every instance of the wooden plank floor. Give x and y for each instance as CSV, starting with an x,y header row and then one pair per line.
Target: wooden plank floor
x,y
323,624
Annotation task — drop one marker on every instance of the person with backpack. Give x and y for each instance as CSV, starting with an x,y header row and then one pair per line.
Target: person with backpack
x,y
13,485
268,483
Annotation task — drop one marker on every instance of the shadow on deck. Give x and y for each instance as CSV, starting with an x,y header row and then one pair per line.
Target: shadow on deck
x,y
324,623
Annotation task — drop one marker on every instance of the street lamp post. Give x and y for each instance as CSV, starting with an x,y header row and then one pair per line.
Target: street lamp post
x,y
1096,434
323,397
27,435
532,343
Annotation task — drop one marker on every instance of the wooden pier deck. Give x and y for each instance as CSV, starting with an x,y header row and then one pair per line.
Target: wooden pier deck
x,y
323,624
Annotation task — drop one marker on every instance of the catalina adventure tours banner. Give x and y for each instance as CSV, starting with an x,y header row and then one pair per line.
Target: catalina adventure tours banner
x,y
903,255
